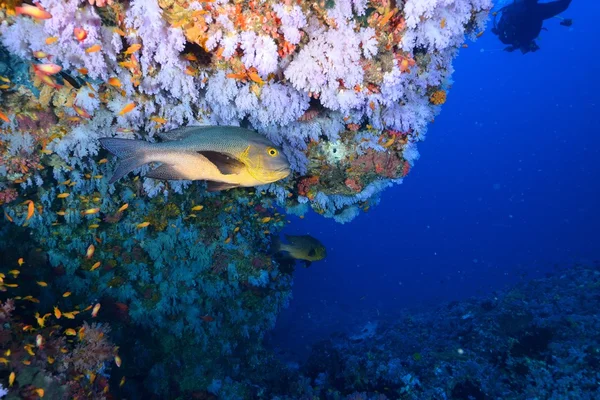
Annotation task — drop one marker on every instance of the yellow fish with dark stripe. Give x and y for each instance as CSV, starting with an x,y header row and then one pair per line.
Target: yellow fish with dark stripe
x,y
224,156
304,248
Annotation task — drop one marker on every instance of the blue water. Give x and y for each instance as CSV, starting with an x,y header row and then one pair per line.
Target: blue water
x,y
507,187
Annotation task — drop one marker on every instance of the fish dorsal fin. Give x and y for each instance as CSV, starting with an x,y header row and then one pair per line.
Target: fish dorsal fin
x,y
290,238
226,164
213,186
181,132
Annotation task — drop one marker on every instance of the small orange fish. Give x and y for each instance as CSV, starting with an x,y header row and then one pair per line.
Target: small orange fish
x,y
464,46
95,266
36,12
191,71
133,48
122,382
39,54
143,225
83,71
42,283
118,361
66,294
93,49
118,31
91,211
239,76
256,78
11,379
480,34
116,82
443,23
48,80
81,112
3,117
386,18
80,34
207,318
57,313
123,207
51,40
158,120
265,220
63,195
197,208
70,332
389,143
90,251
128,108
39,341
40,392
20,261
227,240
30,209
70,315
95,310
190,57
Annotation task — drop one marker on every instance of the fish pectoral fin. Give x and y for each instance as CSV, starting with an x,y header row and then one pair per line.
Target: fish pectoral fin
x,y
213,186
312,252
226,164
307,263
164,172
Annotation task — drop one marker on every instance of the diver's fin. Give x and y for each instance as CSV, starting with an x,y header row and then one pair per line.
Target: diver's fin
x,y
164,172
224,162
131,153
213,186
566,22
552,9
307,263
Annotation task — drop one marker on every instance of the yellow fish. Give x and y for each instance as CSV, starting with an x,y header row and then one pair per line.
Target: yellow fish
x,y
305,248
224,156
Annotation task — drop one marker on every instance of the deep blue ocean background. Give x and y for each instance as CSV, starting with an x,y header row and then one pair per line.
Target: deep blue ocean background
x,y
507,188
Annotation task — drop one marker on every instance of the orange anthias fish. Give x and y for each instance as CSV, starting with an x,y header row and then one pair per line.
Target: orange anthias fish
x,y
95,48
95,310
48,69
81,112
128,108
116,82
133,48
80,34
207,318
90,251
36,12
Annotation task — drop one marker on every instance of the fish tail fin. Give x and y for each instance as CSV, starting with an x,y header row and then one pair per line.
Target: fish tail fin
x,y
131,152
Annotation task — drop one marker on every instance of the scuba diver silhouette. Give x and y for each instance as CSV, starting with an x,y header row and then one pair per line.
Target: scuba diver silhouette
x,y
522,21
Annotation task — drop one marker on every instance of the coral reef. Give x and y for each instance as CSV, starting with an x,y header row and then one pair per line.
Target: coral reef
x,y
536,340
345,87
314,77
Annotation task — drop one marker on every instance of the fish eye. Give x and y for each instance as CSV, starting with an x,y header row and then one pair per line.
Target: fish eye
x,y
272,151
